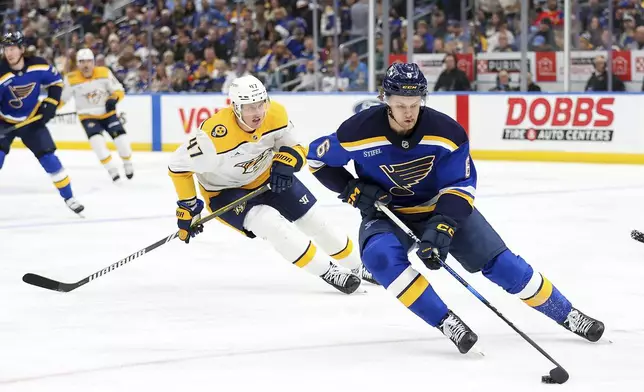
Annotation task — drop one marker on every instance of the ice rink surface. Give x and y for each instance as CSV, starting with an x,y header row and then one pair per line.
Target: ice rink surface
x,y
226,313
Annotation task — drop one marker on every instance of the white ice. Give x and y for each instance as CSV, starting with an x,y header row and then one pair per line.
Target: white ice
x,y
225,313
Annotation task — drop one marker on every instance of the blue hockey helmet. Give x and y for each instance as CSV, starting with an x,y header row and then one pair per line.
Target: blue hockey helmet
x,y
404,79
13,39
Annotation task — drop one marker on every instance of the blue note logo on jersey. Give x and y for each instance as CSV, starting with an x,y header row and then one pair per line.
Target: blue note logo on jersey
x,y
406,175
19,93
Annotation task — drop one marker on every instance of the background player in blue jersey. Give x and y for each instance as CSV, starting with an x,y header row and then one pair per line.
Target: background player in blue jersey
x,y
417,160
21,79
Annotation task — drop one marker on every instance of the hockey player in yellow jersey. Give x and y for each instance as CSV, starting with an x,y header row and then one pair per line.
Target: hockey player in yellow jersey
x,y
96,91
241,148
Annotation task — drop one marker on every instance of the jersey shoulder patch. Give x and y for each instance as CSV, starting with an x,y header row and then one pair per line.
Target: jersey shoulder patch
x,y
219,130
223,131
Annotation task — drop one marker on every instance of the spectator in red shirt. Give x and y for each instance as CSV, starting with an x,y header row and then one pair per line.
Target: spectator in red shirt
x,y
551,12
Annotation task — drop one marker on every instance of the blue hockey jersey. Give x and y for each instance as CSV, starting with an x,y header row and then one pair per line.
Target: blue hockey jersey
x,y
429,170
20,89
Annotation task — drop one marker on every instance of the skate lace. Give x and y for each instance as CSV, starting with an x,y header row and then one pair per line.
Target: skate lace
x,y
454,329
578,323
363,273
335,277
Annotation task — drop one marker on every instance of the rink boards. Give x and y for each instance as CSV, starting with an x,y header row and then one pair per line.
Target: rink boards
x,y
543,127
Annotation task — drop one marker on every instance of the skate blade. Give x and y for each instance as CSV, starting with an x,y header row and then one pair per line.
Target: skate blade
x,y
476,352
605,339
360,290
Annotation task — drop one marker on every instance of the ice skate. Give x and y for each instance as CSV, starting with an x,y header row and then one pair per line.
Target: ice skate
x,y
365,275
114,173
129,169
584,326
74,205
458,332
345,282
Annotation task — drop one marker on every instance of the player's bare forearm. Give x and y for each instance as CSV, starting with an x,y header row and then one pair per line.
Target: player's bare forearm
x,y
334,178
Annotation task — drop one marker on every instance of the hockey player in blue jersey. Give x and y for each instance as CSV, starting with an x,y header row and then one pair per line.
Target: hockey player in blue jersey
x,y
417,160
21,79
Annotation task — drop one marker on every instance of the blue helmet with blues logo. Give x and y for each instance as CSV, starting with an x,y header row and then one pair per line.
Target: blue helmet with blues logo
x,y
404,79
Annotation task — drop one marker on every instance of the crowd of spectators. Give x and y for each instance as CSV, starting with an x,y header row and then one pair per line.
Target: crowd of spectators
x,y
495,26
202,45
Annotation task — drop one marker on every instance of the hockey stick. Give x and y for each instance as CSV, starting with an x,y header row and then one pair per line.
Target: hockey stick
x,y
21,124
55,285
637,235
557,375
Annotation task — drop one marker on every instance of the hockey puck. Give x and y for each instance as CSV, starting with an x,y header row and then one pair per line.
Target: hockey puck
x,y
547,380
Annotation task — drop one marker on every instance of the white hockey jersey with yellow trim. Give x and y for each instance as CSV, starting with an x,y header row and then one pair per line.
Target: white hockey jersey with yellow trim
x,y
91,94
223,156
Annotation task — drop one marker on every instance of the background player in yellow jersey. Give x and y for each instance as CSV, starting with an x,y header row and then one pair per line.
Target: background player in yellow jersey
x,y
96,91
238,150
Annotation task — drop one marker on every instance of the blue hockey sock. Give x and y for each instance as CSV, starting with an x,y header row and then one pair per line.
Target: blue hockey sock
x,y
386,259
2,155
517,277
52,165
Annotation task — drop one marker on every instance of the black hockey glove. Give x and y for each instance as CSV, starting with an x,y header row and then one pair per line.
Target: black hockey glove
x,y
47,110
436,241
110,105
364,196
285,163
187,214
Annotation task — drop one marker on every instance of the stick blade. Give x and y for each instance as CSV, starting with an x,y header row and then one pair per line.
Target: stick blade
x,y
41,281
637,235
558,375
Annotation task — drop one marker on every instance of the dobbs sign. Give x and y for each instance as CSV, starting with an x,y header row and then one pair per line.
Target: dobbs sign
x,y
588,119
